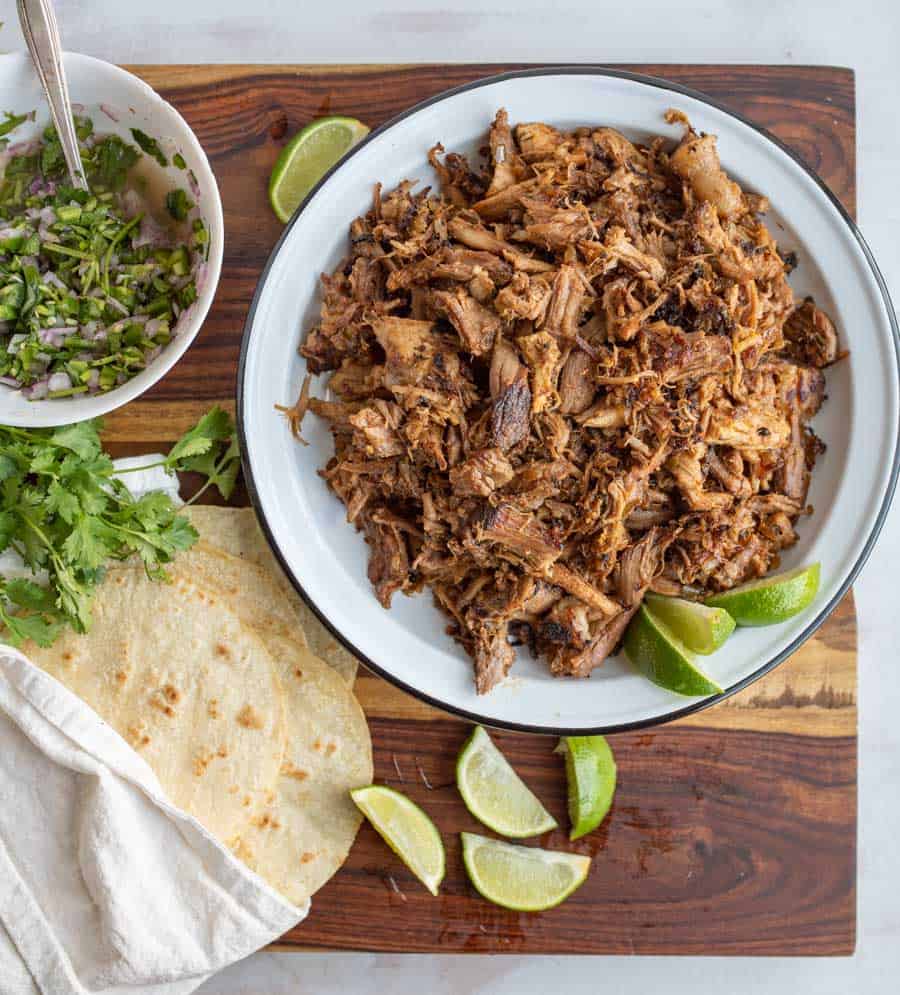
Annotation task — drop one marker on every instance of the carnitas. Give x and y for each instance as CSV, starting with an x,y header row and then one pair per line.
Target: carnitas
x,y
575,374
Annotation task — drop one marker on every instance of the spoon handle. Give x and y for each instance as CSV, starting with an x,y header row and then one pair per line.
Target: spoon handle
x,y
39,26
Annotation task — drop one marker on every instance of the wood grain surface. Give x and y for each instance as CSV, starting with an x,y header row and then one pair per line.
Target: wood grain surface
x,y
733,831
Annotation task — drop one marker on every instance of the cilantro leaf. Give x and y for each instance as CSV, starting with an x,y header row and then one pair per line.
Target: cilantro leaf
x,y
221,470
90,543
11,122
8,466
180,534
63,502
9,524
214,426
178,204
27,594
34,627
150,146
82,439
111,161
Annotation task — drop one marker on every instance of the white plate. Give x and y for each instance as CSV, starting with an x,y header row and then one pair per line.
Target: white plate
x,y
326,558
116,101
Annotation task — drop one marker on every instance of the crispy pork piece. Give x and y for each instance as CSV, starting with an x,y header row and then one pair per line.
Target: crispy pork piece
x,y
476,325
810,336
574,373
481,474
696,160
511,414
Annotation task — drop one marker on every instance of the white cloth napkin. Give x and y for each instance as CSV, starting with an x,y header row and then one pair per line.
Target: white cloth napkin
x,y
104,886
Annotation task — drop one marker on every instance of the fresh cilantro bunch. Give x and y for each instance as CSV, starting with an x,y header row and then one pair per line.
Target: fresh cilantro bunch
x,y
63,511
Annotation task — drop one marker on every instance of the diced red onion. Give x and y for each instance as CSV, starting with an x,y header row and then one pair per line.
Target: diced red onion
x,y
109,112
54,336
53,280
200,276
59,381
10,381
131,203
150,234
37,391
24,148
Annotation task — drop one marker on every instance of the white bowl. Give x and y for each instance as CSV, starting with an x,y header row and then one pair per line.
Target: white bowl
x,y
326,557
102,90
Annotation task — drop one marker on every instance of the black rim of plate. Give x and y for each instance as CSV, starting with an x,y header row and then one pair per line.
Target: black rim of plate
x,y
675,713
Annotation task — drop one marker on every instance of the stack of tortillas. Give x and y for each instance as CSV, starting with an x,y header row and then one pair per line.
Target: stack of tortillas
x,y
235,695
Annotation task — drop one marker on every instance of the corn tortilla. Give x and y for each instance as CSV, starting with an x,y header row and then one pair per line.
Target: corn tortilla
x,y
175,673
302,836
236,531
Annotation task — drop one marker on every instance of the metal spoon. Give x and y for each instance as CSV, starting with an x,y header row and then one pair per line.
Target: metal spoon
x,y
39,26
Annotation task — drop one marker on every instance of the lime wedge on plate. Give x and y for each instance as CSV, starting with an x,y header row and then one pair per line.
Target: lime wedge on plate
x,y
700,628
591,778
522,878
770,599
495,794
307,157
406,829
661,657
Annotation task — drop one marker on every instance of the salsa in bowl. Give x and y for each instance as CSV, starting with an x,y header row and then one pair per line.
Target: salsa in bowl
x,y
100,291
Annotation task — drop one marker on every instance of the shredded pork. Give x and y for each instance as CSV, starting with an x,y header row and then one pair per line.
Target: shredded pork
x,y
576,374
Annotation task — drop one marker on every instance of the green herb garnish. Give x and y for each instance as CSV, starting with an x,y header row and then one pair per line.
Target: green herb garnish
x,y
11,121
150,146
178,204
178,161
110,163
64,512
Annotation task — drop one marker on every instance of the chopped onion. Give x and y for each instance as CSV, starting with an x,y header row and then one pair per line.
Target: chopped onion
x,y
37,391
59,381
117,304
53,280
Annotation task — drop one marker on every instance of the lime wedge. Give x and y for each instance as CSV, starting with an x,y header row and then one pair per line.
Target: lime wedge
x,y
591,777
701,629
406,829
662,658
770,599
307,157
495,794
522,878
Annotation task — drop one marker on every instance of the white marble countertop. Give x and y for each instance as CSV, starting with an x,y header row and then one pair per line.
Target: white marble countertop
x,y
865,36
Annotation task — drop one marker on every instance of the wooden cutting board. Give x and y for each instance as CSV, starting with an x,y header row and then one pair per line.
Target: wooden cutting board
x,y
733,831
